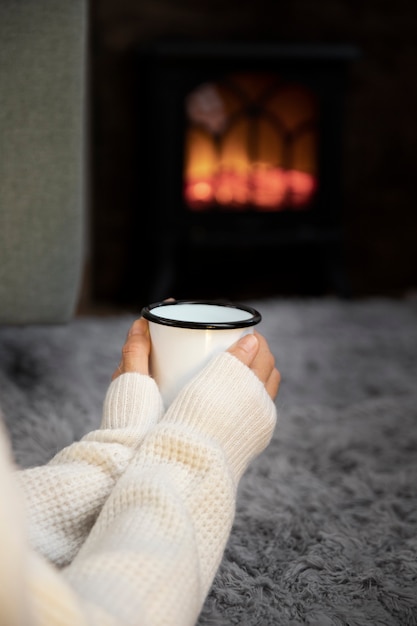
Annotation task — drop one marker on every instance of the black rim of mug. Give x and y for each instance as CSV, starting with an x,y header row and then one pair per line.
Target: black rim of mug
x,y
255,318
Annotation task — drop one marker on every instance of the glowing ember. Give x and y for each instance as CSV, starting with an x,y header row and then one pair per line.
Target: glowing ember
x,y
264,188
202,191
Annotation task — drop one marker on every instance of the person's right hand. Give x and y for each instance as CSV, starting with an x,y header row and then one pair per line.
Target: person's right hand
x,y
253,351
136,350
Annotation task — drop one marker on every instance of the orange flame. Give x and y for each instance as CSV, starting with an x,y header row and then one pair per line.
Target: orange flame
x,y
265,188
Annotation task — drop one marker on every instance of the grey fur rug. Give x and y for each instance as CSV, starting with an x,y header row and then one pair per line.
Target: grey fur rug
x,y
326,525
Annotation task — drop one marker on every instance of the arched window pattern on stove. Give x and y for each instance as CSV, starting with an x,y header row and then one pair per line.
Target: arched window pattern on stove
x,y
251,144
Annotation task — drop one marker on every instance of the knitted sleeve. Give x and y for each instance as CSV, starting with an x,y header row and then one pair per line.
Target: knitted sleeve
x,y
151,556
64,497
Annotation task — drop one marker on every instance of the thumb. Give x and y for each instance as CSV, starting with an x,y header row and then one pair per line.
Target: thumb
x,y
245,349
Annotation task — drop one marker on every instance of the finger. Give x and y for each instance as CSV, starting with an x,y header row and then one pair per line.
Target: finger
x,y
245,349
261,361
139,327
135,352
264,362
273,383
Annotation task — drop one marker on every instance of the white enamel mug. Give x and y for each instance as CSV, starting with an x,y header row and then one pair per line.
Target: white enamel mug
x,y
186,334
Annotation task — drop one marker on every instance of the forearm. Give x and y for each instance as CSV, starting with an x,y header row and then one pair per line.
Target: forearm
x,y
160,536
141,563
64,497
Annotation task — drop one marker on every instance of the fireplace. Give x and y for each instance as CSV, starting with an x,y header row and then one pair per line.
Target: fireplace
x,y
250,144
240,168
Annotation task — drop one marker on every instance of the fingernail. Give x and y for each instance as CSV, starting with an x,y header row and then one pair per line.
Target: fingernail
x,y
248,343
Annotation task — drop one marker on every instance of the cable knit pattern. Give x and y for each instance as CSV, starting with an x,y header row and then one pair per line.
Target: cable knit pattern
x,y
64,497
167,505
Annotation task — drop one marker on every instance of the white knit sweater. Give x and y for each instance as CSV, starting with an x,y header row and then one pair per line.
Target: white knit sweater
x,y
128,526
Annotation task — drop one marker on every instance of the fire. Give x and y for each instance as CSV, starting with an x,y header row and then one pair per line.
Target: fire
x,y
202,191
251,143
265,188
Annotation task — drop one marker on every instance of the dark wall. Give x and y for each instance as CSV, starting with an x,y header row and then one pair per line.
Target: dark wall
x,y
379,155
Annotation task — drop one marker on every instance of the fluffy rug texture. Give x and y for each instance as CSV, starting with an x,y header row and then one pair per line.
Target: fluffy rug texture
x,y
325,532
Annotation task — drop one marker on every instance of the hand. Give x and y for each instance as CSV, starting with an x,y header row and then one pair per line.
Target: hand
x,y
254,352
135,352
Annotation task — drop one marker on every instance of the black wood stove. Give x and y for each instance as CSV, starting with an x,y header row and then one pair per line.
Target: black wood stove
x,y
240,168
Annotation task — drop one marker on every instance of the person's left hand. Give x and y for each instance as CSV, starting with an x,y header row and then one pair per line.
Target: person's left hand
x,y
135,352
254,352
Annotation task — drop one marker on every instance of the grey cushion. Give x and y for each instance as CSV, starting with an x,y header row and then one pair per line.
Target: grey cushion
x,y
42,119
